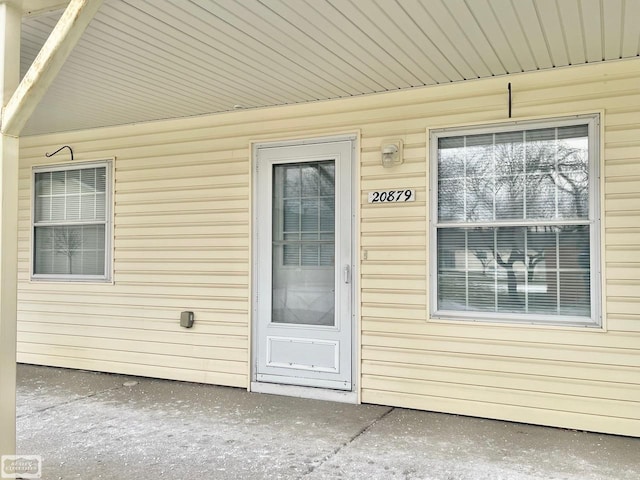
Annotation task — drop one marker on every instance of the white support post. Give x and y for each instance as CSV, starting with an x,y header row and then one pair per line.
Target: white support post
x,y
19,99
10,21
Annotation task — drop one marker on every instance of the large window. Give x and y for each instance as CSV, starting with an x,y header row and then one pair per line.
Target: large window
x,y
514,222
71,222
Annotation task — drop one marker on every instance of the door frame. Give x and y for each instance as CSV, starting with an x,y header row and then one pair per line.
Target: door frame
x,y
352,396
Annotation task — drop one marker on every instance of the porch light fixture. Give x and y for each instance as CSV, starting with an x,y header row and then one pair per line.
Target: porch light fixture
x,y
391,153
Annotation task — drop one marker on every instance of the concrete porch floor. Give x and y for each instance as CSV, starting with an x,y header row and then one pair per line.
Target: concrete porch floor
x,y
90,425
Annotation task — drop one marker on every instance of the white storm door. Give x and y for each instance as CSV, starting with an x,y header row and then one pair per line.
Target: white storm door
x,y
303,265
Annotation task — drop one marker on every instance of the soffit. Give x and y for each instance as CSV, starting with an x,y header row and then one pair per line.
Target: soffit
x,y
143,60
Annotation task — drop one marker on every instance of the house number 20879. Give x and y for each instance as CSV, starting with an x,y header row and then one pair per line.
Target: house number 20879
x,y
393,196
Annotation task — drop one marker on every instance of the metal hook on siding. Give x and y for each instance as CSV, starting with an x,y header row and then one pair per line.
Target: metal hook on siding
x,y
61,148
509,88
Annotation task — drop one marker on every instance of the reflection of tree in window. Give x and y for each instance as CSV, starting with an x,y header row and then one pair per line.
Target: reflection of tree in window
x,y
68,243
521,178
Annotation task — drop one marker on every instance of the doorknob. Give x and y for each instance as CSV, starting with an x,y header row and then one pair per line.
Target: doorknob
x,y
347,274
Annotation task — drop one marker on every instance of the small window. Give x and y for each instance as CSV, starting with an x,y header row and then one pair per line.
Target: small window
x,y
515,223
71,227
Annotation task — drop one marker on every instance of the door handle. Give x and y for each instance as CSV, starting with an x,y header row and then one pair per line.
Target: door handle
x,y
347,274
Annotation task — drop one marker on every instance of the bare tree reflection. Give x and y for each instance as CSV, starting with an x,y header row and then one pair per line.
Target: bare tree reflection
x,y
508,179
67,242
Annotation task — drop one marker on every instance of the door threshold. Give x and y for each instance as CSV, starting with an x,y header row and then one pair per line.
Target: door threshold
x,y
312,393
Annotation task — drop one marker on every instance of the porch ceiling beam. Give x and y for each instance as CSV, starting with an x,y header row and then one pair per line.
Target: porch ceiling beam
x,y
47,64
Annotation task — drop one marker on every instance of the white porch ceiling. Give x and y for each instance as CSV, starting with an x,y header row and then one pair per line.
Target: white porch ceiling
x,y
143,60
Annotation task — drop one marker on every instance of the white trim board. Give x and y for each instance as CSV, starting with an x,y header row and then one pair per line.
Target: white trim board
x,y
311,393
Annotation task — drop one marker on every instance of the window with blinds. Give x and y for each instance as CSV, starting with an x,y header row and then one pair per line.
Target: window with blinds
x,y
304,213
70,222
514,222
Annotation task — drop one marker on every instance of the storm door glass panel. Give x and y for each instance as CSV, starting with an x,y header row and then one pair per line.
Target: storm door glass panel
x,y
303,253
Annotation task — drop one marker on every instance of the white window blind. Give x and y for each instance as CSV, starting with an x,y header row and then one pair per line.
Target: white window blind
x,y
515,223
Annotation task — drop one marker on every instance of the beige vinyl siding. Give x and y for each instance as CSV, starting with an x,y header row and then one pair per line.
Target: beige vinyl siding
x,y
164,263
182,238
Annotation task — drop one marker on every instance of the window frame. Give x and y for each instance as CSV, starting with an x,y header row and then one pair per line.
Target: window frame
x,y
108,223
593,222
